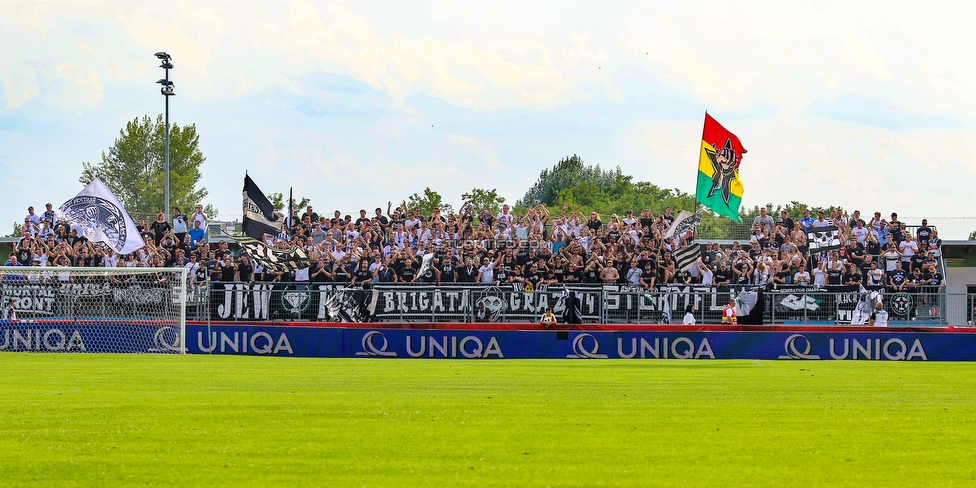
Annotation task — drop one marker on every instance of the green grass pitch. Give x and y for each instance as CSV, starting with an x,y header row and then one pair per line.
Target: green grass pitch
x,y
108,420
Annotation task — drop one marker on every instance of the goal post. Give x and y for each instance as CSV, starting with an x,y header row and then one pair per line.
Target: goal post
x,y
75,309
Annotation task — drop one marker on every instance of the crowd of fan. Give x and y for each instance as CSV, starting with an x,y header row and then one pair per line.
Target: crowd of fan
x,y
537,247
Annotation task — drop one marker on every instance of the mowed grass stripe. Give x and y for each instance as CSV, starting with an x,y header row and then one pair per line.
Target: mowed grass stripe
x,y
191,420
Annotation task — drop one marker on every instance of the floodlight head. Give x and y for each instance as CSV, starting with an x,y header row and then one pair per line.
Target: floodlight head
x,y
162,55
166,65
167,91
165,82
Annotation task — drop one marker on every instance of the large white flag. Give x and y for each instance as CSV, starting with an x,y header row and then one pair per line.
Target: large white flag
x,y
97,211
684,221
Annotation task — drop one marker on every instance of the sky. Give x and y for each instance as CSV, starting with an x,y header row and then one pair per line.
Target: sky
x,y
866,105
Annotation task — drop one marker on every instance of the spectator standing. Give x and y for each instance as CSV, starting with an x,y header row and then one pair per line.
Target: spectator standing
x,y
924,232
689,315
198,237
49,214
879,318
763,222
199,216
786,221
806,221
160,228
180,225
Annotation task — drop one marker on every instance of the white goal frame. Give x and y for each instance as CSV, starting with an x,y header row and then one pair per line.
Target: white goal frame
x,y
56,306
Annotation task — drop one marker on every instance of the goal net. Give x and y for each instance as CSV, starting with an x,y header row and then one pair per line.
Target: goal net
x,y
65,309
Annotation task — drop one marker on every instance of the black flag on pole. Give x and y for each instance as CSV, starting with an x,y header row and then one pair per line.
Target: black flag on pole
x,y
259,215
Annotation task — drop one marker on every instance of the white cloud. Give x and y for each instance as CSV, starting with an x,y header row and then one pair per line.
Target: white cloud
x,y
78,87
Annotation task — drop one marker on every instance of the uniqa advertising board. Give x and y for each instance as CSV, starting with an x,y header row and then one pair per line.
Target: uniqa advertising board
x,y
502,344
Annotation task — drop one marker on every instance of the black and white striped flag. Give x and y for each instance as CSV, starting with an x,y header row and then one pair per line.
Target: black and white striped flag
x,y
825,238
274,259
686,257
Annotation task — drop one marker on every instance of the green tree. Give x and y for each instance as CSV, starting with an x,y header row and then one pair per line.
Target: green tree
x,y
134,167
18,230
568,172
428,202
481,198
280,202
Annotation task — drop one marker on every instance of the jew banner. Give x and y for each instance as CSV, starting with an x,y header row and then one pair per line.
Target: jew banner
x,y
719,186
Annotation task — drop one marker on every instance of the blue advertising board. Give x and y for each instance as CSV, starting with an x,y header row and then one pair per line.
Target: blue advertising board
x,y
89,336
334,342
509,344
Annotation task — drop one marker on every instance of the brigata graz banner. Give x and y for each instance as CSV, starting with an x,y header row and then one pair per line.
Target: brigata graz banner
x,y
504,344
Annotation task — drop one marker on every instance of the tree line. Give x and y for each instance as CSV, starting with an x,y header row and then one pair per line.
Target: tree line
x,y
133,168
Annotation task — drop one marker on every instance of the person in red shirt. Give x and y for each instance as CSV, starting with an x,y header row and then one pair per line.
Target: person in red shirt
x,y
728,313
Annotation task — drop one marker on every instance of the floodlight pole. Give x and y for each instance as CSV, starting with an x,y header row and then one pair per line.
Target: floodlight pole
x,y
166,91
166,208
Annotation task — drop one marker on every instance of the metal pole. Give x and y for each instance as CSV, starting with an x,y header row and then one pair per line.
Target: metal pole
x,y
166,210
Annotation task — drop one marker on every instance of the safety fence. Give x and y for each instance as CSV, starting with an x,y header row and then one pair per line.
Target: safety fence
x,y
608,304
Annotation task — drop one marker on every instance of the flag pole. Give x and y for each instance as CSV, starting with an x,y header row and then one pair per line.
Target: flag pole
x,y
698,158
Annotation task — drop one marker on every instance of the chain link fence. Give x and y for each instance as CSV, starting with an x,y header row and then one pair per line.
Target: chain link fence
x,y
609,304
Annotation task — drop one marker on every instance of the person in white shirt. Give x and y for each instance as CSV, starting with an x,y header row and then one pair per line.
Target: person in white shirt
x,y
875,275
199,216
820,274
707,277
879,318
802,277
689,315
504,217
860,233
486,273
634,273
820,222
908,248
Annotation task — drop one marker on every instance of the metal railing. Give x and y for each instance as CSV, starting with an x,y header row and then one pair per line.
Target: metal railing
x,y
334,302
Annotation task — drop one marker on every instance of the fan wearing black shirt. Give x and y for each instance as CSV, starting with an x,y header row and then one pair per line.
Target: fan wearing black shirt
x,y
467,273
363,274
245,270
533,276
448,270
723,275
852,275
897,278
320,272
227,269
786,221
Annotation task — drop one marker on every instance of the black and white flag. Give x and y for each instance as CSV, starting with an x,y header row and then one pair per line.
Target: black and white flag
x,y
99,213
259,215
348,305
684,221
425,263
274,259
686,257
824,238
